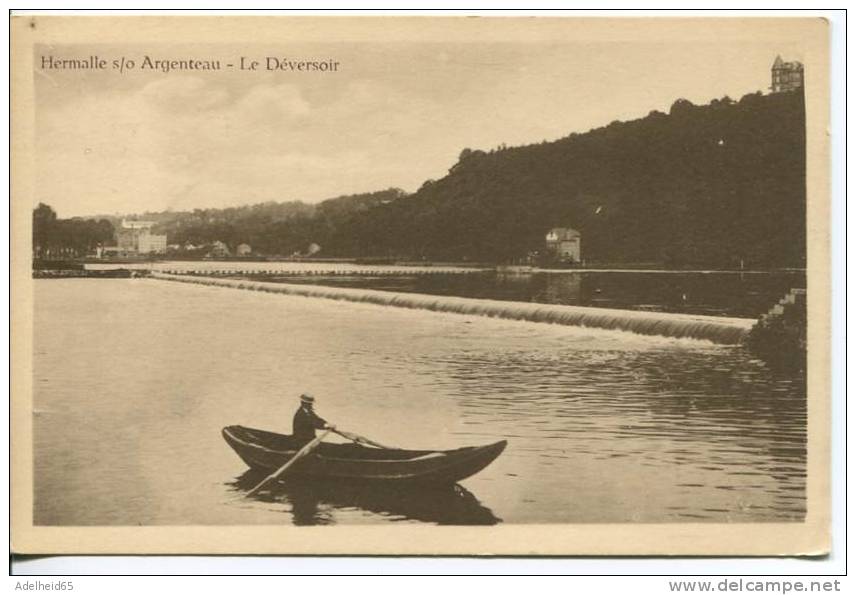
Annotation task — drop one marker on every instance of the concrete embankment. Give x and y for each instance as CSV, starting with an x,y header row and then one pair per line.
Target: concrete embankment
x,y
712,328
86,274
780,335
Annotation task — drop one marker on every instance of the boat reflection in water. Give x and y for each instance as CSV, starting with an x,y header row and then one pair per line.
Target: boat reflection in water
x,y
316,502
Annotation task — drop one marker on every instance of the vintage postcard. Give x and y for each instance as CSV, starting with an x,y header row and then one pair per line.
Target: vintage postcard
x,y
420,286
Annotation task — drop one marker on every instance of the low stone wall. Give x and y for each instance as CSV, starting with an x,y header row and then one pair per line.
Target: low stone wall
x,y
87,274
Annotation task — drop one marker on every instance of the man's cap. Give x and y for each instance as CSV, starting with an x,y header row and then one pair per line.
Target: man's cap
x,y
307,398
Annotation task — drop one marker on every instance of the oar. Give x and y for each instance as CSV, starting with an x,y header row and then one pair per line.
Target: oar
x,y
358,439
300,454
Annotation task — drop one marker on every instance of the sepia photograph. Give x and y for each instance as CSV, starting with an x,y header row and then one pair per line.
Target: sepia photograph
x,y
400,285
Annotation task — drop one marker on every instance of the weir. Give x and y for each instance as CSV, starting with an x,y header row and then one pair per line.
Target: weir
x,y
349,270
717,329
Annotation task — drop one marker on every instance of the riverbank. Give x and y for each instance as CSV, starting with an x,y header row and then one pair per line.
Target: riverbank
x,y
406,265
87,274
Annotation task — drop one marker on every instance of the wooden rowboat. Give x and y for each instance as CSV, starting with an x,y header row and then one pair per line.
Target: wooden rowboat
x,y
268,451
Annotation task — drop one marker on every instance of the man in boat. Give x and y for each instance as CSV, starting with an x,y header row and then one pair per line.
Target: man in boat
x,y
306,421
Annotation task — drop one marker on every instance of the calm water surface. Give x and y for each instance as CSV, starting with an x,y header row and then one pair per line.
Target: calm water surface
x,y
135,378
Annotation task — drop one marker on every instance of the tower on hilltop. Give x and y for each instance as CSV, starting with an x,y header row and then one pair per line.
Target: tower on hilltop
x,y
786,76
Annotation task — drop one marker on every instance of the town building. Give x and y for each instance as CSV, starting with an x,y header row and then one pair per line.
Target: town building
x,y
136,238
243,250
786,76
564,244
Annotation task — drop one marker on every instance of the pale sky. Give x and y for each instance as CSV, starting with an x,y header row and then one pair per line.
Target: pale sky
x,y
394,115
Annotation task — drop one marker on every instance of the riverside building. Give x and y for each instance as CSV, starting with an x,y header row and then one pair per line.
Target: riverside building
x,y
136,237
564,244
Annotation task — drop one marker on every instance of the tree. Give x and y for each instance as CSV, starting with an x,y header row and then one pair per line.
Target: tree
x,y
44,224
74,237
681,106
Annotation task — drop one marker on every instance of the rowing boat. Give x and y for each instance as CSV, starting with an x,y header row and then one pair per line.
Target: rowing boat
x,y
268,451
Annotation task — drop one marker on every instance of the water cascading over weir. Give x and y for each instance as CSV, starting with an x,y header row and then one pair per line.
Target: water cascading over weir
x,y
717,329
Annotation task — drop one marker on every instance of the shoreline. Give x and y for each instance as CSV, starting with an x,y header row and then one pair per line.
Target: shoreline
x,y
416,265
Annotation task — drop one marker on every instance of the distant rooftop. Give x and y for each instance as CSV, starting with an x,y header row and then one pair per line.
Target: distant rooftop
x,y
562,233
781,64
137,224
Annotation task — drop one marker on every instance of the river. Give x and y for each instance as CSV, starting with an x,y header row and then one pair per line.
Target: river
x,y
135,378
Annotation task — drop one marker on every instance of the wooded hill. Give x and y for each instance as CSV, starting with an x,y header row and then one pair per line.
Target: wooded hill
x,y
270,228
703,185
